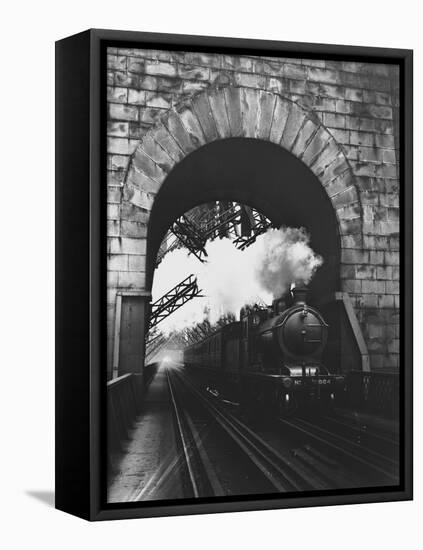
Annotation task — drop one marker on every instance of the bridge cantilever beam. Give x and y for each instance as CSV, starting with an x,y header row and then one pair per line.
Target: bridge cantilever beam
x,y
189,233
190,236
174,299
193,231
225,219
185,231
259,224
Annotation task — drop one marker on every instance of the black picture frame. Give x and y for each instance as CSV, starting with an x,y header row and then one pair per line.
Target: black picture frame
x,y
81,261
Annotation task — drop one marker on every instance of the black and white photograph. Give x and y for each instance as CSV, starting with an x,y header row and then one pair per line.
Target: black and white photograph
x,y
211,301
253,275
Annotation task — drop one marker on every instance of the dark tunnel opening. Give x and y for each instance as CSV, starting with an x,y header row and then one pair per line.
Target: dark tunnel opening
x,y
261,175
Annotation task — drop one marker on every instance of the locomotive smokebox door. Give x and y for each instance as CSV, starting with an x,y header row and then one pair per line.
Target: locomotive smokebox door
x,y
303,334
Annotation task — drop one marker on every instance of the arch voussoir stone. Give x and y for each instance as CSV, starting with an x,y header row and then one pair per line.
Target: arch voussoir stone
x,y
157,153
266,105
293,124
143,163
218,107
204,113
192,125
140,180
178,131
335,186
315,146
249,110
280,116
138,197
345,197
167,142
349,211
304,137
233,106
337,168
325,158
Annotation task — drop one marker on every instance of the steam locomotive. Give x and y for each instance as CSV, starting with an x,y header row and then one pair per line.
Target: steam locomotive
x,y
272,357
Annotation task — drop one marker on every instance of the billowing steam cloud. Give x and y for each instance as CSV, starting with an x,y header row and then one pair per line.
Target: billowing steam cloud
x,y
284,256
232,278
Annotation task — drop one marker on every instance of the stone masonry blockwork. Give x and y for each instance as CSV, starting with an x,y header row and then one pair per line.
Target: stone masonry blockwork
x,y
337,117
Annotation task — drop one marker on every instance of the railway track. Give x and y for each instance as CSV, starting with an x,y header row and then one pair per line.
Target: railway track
x,y
220,454
385,443
373,465
201,473
301,468
343,453
282,474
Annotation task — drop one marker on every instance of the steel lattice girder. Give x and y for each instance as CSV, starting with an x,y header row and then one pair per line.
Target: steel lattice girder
x,y
194,231
190,236
174,299
260,225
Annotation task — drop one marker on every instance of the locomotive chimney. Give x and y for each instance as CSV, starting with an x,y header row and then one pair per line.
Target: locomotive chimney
x,y
279,305
299,293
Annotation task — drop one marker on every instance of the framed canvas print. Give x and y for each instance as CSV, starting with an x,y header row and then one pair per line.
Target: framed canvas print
x,y
234,282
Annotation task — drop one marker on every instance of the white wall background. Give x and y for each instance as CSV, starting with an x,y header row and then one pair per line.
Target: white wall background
x,y
28,32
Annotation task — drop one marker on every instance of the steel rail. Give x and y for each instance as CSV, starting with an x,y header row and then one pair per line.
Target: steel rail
x,y
323,437
198,464
182,435
278,470
347,441
360,430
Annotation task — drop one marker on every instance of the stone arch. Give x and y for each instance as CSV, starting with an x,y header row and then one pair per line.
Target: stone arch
x,y
221,113
216,115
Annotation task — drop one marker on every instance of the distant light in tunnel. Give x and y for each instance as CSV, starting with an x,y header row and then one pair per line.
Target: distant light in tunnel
x,y
170,362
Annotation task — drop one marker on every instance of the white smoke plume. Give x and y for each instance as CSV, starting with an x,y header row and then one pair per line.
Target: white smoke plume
x,y
283,256
231,278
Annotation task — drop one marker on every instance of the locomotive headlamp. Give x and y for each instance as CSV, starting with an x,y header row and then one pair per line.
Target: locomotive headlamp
x,y
287,382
